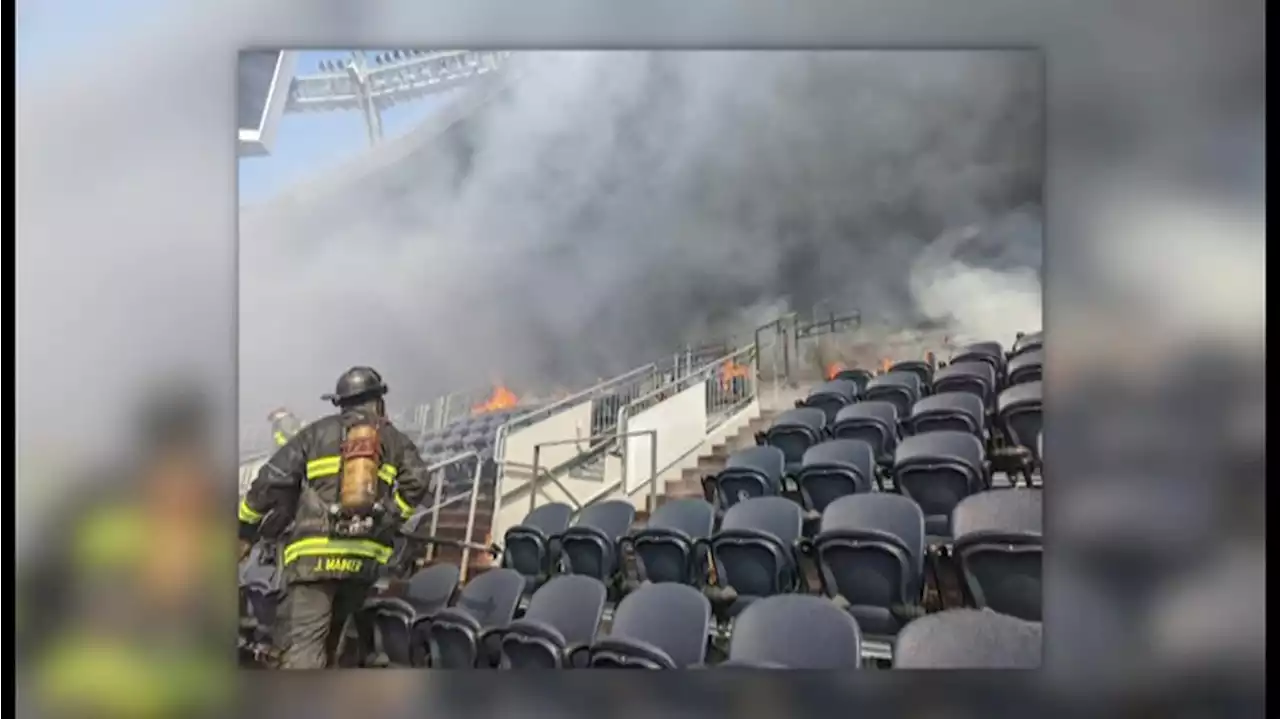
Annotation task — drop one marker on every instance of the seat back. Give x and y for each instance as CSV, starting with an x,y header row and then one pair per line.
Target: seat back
x,y
590,546
487,602
750,472
796,631
665,549
1026,367
991,353
659,626
949,411
492,597
432,588
1031,341
968,639
754,550
902,389
833,469
1021,414
532,547
937,470
919,368
794,431
831,396
870,550
562,615
873,422
973,376
998,544
859,377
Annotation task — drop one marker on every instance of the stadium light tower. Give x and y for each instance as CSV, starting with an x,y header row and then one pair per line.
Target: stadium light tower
x,y
364,82
372,84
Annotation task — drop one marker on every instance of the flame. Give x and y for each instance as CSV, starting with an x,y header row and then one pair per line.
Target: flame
x,y
885,364
834,369
502,398
730,370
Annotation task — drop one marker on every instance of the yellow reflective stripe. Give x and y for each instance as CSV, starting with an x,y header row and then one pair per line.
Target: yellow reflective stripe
x,y
281,440
324,546
247,515
406,509
324,467
388,472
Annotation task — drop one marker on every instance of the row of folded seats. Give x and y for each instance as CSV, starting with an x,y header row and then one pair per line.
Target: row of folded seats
x,y
658,626
985,392
472,434
694,576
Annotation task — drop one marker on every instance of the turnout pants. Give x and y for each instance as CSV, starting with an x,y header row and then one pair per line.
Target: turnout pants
x,y
313,617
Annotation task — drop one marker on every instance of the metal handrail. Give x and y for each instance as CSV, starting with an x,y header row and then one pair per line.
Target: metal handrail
x,y
553,476
743,355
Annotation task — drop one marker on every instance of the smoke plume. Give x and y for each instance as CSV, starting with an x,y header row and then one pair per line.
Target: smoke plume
x,y
600,209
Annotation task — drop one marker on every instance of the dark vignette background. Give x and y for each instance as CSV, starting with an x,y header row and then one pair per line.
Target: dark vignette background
x,y
1155,292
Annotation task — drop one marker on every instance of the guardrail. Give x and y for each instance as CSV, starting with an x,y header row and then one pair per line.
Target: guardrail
x,y
732,382
636,377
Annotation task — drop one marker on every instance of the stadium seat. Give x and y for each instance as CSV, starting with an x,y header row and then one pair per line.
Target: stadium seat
x,y
533,546
830,397
937,470
859,377
990,353
1031,341
459,637
795,632
968,639
919,368
974,377
998,548
590,546
658,626
949,411
833,469
559,626
389,619
794,432
870,552
902,389
749,472
1021,416
1026,367
875,423
669,548
261,591
754,553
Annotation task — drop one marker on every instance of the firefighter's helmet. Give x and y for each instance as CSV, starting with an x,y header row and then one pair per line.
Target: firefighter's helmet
x,y
355,385
278,414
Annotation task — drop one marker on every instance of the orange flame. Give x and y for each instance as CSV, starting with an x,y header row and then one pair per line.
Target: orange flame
x,y
730,370
834,369
885,364
502,398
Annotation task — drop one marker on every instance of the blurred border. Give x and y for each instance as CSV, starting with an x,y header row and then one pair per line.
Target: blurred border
x,y
1155,282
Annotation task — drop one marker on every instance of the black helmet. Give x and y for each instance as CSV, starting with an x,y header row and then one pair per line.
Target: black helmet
x,y
357,384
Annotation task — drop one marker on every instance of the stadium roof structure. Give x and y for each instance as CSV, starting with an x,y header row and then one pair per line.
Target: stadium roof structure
x,y
263,80
369,83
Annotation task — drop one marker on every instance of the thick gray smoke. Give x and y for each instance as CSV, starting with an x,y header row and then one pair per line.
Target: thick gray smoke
x,y
602,209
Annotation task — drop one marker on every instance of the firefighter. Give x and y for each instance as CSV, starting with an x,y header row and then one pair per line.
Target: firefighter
x,y
347,481
284,425
124,595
